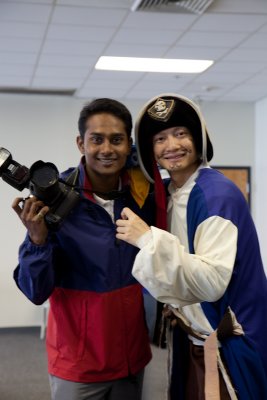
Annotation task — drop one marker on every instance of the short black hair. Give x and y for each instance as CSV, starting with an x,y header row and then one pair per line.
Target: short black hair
x,y
105,105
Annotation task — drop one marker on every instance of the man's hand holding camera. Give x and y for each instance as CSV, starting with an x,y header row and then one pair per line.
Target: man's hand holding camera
x,y
32,214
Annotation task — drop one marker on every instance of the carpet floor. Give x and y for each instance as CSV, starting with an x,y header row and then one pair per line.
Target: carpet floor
x,y
23,368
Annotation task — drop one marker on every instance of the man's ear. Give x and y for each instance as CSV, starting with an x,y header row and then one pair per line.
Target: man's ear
x,y
80,143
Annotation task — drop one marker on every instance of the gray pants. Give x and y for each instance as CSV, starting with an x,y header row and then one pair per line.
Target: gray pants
x,y
129,388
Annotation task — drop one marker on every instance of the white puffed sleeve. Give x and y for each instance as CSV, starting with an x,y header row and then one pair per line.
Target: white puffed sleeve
x,y
174,276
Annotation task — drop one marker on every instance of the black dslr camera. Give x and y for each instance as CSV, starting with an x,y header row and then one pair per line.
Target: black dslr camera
x,y
42,179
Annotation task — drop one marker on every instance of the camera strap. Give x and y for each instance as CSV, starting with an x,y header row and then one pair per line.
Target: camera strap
x,y
72,178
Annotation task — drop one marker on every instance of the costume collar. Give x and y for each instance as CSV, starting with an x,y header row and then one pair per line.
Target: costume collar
x,y
172,188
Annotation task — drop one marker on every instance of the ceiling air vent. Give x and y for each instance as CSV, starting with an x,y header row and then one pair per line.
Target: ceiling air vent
x,y
195,6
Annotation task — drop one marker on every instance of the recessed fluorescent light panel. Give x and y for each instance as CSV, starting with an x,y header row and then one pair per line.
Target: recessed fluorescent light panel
x,y
152,64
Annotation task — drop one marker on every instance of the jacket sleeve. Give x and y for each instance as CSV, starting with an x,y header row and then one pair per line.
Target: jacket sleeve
x,y
35,274
174,276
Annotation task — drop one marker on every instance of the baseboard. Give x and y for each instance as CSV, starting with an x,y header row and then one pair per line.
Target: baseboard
x,y
20,329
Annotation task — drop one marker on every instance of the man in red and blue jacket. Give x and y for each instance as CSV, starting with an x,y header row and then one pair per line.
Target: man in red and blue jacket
x,y
97,338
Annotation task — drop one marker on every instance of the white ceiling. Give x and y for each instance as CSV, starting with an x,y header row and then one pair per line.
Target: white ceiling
x,y
53,45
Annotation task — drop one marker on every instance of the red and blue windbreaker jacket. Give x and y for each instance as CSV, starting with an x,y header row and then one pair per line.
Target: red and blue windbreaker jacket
x,y
96,328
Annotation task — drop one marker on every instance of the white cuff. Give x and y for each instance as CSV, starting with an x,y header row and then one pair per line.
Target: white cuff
x,y
144,239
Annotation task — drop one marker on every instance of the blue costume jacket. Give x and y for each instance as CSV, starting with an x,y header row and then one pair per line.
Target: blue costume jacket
x,y
212,209
245,355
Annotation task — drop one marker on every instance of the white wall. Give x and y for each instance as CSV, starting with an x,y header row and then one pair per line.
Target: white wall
x,y
232,127
45,127
260,185
31,128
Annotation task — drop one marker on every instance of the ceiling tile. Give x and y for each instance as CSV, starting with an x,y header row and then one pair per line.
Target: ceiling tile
x,y
236,67
35,1
80,33
200,89
64,60
247,55
115,75
146,36
158,87
159,21
258,79
239,98
222,78
240,6
229,23
263,28
258,40
97,3
19,45
101,92
217,39
16,70
74,48
66,72
88,16
22,30
108,84
14,81
27,12
200,52
145,93
248,92
56,83
17,58
135,50
168,78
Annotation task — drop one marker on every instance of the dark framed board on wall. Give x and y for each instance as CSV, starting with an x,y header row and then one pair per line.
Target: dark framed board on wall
x,y
241,176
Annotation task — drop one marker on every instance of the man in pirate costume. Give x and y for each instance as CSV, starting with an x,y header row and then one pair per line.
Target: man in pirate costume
x,y
207,269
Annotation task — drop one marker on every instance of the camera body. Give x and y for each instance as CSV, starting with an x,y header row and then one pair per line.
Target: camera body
x,y
42,179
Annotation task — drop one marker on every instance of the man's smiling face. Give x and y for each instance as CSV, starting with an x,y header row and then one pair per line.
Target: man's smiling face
x,y
105,145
